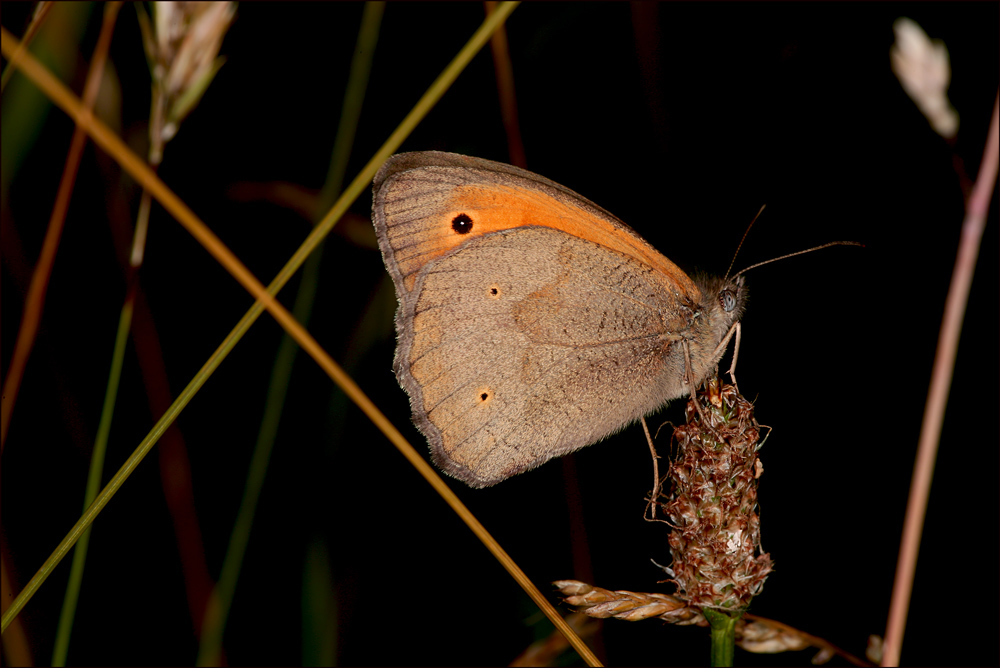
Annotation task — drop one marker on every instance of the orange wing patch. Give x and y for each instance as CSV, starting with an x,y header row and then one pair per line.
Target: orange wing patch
x,y
474,210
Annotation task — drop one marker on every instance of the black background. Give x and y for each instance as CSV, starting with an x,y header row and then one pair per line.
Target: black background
x,y
790,105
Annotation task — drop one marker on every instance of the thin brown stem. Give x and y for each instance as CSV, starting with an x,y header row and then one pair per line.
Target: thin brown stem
x,y
977,208
34,303
505,90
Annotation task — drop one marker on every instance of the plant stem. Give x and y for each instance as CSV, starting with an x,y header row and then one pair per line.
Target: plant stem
x,y
723,636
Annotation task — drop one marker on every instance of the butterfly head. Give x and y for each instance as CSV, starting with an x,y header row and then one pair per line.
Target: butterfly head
x,y
720,308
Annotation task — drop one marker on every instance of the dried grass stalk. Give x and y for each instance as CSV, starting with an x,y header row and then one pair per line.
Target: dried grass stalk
x,y
182,41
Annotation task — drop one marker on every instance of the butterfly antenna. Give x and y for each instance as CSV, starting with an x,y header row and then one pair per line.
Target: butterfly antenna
x,y
808,250
733,261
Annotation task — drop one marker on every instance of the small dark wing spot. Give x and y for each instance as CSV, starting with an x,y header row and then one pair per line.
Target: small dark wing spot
x,y
461,223
484,395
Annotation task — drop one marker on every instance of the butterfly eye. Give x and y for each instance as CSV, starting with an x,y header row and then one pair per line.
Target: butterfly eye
x,y
727,300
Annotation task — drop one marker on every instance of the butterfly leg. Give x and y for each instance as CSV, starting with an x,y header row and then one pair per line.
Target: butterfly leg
x,y
736,353
691,383
656,469
721,348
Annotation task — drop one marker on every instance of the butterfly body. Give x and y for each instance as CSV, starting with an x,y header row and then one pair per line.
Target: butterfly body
x,y
531,322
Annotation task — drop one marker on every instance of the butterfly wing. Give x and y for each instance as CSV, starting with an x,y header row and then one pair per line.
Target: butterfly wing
x,y
519,339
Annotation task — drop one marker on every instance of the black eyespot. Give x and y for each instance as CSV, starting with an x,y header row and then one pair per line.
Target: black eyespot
x,y
461,224
727,299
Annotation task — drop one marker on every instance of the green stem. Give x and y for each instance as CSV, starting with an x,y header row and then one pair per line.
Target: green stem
x,y
97,457
723,636
93,486
220,601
